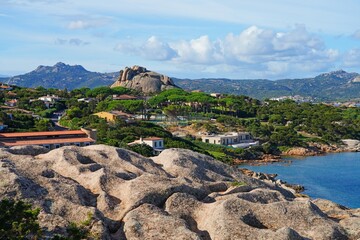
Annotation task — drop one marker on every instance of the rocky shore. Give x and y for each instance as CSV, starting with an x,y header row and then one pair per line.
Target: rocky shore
x,y
295,188
314,149
179,194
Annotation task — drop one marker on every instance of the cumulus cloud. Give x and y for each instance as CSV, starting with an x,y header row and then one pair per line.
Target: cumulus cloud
x,y
152,49
254,48
352,58
71,41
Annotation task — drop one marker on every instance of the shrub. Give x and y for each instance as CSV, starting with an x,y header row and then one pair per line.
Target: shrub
x,y
18,220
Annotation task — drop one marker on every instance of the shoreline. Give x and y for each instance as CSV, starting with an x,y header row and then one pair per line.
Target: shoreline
x,y
330,176
312,150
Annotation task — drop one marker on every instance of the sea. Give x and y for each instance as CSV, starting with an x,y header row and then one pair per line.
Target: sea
x,y
335,177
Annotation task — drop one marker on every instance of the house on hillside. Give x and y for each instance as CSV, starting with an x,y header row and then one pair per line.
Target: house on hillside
x,y
11,103
49,101
113,115
124,97
156,143
87,100
234,139
5,87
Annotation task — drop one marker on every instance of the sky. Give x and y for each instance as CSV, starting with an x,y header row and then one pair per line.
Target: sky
x,y
238,39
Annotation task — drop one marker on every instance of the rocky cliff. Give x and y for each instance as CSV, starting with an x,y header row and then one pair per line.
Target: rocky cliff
x,y
141,79
179,194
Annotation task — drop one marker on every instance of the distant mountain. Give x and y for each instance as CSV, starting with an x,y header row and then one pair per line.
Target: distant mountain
x,y
63,76
338,85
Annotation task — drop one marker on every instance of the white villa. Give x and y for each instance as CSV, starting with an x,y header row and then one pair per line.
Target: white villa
x,y
234,139
156,143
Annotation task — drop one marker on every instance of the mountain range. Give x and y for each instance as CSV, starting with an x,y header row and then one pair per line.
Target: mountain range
x,y
337,85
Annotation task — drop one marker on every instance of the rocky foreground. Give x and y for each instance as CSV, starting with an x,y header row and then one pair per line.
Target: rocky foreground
x,y
178,195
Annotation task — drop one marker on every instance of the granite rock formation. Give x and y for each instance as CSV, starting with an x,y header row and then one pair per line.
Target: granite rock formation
x,y
179,194
141,79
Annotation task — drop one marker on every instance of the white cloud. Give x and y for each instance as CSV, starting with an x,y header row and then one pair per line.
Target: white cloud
x,y
82,24
352,58
85,22
255,48
356,35
199,51
152,49
71,41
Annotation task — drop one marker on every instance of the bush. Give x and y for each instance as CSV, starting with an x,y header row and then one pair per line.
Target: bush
x,y
18,220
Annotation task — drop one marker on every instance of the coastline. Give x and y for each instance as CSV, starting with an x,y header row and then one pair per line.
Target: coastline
x,y
332,176
314,149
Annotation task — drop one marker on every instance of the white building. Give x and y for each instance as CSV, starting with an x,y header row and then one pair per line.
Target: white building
x,y
234,139
48,100
156,143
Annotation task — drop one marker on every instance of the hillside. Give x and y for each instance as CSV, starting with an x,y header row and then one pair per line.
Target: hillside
x,y
63,76
179,194
338,85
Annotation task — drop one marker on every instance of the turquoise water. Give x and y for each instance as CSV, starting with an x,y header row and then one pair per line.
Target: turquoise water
x,y
335,177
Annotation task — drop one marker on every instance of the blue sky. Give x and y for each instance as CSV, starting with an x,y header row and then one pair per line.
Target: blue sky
x,y
233,39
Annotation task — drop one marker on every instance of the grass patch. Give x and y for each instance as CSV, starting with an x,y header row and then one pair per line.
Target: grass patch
x,y
238,184
284,148
217,155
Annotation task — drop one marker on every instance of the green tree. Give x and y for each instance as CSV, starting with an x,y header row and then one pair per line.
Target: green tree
x,y
18,220
142,149
44,124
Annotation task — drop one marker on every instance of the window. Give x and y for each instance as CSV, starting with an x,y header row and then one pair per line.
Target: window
x,y
155,144
207,140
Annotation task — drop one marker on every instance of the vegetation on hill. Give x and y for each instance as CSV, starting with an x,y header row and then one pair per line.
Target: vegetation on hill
x,y
338,85
276,124
63,76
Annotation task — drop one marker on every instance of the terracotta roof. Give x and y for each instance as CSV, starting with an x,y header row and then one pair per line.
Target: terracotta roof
x,y
38,134
9,143
5,87
124,97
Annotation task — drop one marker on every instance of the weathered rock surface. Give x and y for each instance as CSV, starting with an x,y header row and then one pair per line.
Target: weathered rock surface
x,y
141,79
179,194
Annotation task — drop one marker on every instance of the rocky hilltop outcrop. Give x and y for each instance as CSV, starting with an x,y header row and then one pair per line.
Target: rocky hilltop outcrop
x,y
179,194
141,79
